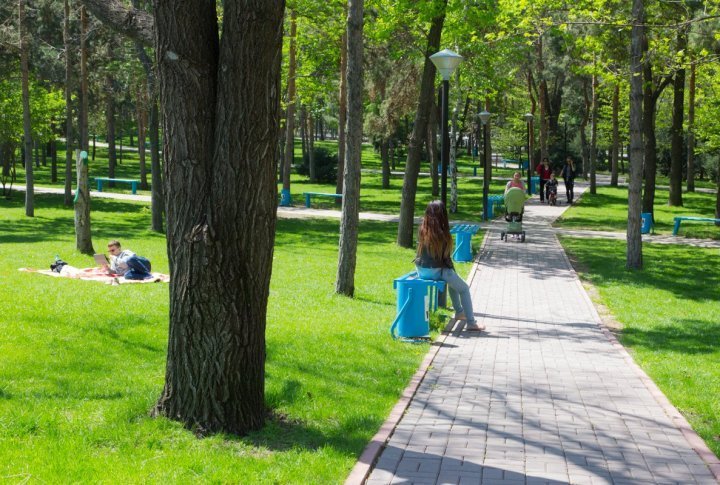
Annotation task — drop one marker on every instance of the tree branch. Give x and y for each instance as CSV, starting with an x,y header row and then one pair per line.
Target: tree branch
x,y
134,23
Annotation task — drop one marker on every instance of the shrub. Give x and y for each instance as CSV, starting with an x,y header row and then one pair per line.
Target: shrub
x,y
326,164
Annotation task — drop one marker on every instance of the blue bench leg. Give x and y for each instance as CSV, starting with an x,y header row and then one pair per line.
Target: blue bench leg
x,y
676,227
100,184
134,187
307,201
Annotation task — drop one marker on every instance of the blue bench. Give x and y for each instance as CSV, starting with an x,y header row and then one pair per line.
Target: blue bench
x,y
310,195
463,236
678,220
416,298
133,183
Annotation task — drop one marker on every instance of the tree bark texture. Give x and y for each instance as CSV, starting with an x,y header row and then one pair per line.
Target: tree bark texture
x,y
84,94
68,106
220,102
385,158
350,221
691,130
615,146
141,118
27,133
342,112
110,126
543,99
290,111
134,23
412,164
676,131
83,234
637,49
431,145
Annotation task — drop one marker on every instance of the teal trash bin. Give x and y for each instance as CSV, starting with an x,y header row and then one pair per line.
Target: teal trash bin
x,y
534,185
416,298
647,223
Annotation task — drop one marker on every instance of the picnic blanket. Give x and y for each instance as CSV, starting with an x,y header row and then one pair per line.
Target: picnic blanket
x,y
95,274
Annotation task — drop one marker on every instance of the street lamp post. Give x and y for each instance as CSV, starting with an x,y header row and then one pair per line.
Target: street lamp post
x,y
485,118
529,120
446,61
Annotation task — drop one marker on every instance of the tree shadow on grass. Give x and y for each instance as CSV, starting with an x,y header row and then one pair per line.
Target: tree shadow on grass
x,y
687,336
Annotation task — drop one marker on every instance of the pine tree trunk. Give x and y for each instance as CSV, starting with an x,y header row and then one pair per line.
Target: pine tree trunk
x,y
637,49
412,164
676,130
27,133
593,134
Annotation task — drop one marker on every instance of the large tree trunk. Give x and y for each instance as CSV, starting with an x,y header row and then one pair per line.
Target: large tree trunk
x,y
637,49
691,131
615,146
342,112
385,159
83,234
593,133
349,224
676,131
452,165
221,129
68,107
431,145
543,99
27,134
290,113
141,115
412,164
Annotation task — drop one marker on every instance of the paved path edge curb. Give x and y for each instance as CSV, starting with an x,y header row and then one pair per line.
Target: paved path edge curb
x,y
365,462
694,440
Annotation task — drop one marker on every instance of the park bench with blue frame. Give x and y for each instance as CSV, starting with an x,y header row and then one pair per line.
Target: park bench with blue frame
x,y
463,236
310,195
494,201
679,219
133,183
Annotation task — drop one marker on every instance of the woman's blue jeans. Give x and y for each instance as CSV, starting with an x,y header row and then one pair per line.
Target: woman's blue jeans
x,y
458,289
138,268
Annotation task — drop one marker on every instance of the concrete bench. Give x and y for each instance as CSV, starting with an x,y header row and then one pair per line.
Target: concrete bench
x,y
133,183
463,236
678,220
310,195
416,298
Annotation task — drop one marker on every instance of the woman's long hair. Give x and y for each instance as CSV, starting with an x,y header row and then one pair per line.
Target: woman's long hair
x,y
435,232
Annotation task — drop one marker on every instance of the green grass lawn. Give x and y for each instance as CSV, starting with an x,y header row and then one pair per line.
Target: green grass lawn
x,y
82,363
607,211
670,316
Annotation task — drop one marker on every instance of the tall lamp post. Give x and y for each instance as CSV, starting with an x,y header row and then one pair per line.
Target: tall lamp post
x,y
529,120
446,61
484,119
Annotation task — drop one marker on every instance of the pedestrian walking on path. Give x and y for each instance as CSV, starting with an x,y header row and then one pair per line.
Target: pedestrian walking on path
x,y
545,395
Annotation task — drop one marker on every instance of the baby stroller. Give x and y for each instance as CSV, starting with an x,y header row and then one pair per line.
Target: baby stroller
x,y
514,208
551,191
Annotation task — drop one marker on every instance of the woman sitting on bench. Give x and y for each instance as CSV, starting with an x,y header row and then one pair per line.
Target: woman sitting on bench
x,y
434,263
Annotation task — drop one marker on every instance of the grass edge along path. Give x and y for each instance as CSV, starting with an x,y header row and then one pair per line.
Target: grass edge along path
x,y
82,363
669,319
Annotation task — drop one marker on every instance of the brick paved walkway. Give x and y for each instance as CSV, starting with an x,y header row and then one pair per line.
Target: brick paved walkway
x,y
544,396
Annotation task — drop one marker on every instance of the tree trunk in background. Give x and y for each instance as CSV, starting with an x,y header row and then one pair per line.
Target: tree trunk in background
x,y
452,165
157,196
593,134
311,147
141,115
615,146
637,49
221,128
27,133
84,95
342,113
290,111
385,157
68,199
584,145
691,131
303,132
110,125
676,131
83,233
412,164
543,99
431,144
52,148
717,194
350,221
